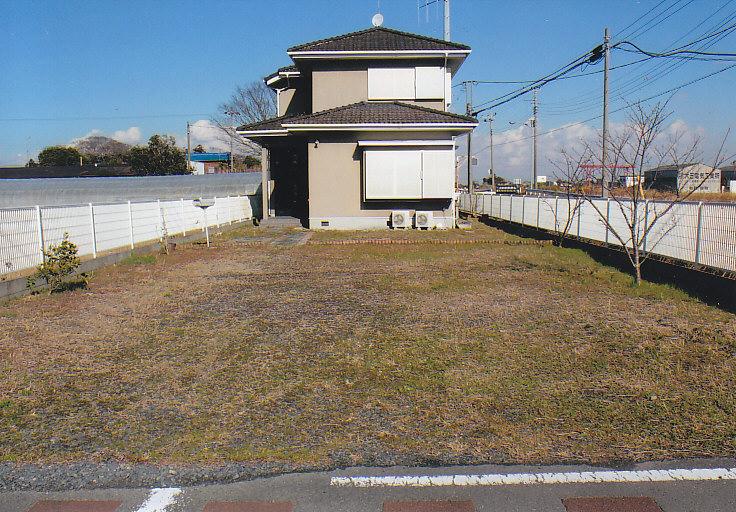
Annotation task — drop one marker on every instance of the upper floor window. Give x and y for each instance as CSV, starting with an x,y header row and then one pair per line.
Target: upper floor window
x,y
416,83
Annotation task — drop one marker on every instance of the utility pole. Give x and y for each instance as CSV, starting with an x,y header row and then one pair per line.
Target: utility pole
x,y
604,156
535,112
189,149
469,111
447,20
490,150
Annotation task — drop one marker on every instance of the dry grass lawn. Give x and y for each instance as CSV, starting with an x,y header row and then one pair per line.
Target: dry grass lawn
x,y
322,355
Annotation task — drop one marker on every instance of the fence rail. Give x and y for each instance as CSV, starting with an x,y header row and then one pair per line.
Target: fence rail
x,y
96,228
702,233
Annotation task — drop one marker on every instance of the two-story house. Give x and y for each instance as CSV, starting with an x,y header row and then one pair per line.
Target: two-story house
x,y
364,133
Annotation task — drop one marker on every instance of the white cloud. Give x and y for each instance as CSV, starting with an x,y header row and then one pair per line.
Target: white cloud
x,y
209,135
130,136
512,152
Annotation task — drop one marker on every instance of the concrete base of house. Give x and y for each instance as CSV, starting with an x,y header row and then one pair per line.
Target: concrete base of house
x,y
363,223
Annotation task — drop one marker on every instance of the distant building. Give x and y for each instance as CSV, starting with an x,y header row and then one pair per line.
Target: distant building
x,y
629,180
209,163
684,178
728,176
65,171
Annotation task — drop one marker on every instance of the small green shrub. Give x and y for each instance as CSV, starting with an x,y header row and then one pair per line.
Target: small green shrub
x,y
60,262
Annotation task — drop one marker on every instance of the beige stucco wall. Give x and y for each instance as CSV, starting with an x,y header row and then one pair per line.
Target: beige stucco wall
x,y
292,100
335,178
334,88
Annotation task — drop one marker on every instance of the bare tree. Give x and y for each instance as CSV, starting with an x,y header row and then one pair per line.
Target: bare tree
x,y
248,104
571,173
643,216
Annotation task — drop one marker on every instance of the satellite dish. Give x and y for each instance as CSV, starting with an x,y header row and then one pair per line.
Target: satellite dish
x,y
377,19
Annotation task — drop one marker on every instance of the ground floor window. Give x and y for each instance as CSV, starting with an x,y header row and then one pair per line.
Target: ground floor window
x,y
408,173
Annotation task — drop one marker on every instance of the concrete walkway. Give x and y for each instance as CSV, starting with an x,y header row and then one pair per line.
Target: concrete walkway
x,y
652,487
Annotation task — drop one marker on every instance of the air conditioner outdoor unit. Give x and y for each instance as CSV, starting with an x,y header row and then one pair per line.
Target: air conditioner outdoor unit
x,y
400,219
423,220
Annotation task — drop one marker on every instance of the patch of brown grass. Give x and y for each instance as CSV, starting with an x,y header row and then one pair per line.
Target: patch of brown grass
x,y
356,354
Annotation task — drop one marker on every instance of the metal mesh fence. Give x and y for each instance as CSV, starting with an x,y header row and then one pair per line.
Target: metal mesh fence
x,y
703,233
98,228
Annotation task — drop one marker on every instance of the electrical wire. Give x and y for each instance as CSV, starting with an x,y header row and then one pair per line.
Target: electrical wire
x,y
621,83
654,96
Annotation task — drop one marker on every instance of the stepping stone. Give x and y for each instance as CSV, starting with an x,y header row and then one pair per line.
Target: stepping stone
x,y
610,504
249,506
428,506
75,506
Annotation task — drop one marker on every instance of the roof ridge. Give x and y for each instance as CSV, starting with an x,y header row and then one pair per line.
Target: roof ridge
x,y
459,46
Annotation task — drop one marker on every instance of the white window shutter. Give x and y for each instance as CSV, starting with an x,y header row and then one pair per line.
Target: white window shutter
x,y
430,83
391,83
393,174
438,173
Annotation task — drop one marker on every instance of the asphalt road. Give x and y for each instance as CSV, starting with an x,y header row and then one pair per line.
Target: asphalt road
x,y
676,488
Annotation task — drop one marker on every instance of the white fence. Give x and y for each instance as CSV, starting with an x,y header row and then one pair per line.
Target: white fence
x,y
702,233
98,228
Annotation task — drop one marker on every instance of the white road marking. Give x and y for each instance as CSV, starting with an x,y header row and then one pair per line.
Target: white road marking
x,y
159,499
654,475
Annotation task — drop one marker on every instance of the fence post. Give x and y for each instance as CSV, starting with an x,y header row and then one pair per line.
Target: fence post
x,y
511,207
608,216
539,201
523,209
160,219
557,220
183,220
646,223
577,212
217,213
92,225
700,230
130,223
229,211
39,229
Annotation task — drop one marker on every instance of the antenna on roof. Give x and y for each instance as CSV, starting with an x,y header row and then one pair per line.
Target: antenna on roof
x,y
424,4
377,19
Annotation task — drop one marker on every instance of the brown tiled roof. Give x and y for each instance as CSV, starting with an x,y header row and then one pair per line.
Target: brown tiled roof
x,y
378,39
391,112
267,124
290,69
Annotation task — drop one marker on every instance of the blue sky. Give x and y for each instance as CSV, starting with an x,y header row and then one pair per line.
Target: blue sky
x,y
131,69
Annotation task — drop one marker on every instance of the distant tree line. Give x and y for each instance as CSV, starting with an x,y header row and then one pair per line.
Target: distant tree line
x,y
160,156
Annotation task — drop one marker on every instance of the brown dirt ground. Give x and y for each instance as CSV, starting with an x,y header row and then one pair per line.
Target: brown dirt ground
x,y
357,354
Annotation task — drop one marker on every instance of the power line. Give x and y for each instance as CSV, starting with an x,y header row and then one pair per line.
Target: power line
x,y
582,59
565,127
638,19
636,82
644,80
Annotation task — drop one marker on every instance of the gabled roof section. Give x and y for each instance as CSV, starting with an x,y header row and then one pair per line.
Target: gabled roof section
x,y
381,116
378,39
281,73
392,112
